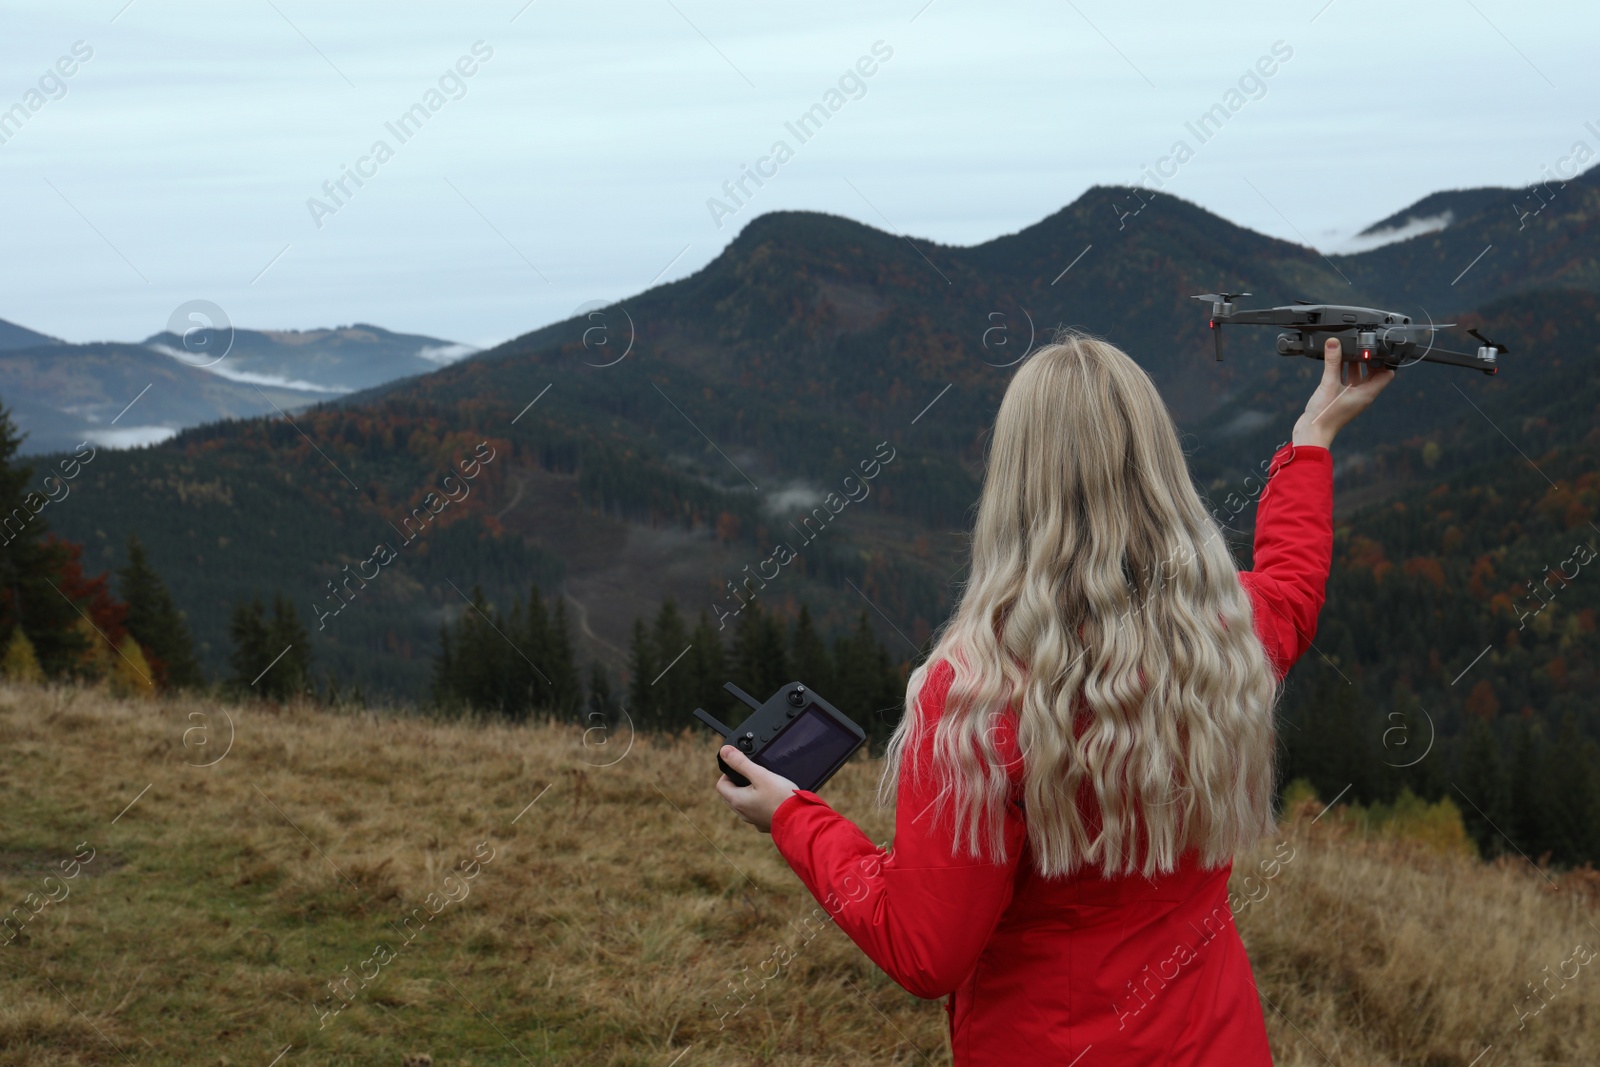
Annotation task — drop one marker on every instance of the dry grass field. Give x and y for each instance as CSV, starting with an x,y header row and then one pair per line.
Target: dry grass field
x,y
354,888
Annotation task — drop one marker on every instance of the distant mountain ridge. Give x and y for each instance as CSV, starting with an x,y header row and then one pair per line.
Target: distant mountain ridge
x,y
14,336
121,395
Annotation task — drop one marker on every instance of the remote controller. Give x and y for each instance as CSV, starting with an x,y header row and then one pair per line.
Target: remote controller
x,y
795,733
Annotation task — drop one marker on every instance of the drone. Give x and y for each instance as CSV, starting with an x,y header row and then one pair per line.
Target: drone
x,y
1365,335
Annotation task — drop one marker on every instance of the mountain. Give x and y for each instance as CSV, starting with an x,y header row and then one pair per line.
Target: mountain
x,y
1503,242
123,395
663,446
14,336
1433,212
120,395
1487,269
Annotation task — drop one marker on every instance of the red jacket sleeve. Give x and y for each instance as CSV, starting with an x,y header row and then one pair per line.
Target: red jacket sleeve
x,y
919,913
1293,552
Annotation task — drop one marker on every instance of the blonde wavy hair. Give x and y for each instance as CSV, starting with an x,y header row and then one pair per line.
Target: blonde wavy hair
x,y
1104,606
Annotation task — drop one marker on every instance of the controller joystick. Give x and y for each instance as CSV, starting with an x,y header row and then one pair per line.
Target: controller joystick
x,y
733,776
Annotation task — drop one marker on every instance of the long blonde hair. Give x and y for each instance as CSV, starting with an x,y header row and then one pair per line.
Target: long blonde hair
x,y
1104,606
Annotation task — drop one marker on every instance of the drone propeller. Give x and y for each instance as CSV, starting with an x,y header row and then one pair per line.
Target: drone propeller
x,y
1496,345
1221,305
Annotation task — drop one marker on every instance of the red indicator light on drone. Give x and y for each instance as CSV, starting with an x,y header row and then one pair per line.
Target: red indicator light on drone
x,y
1366,353
1212,323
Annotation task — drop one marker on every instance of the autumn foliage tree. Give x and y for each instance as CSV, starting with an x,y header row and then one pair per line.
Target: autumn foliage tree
x,y
55,621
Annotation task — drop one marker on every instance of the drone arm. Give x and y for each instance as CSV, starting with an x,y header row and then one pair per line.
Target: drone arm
x,y
1458,359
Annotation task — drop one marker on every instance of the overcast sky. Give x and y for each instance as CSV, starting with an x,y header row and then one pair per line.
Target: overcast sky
x,y
576,161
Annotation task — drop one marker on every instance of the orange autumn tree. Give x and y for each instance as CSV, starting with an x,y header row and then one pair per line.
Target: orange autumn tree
x,y
110,653
1481,702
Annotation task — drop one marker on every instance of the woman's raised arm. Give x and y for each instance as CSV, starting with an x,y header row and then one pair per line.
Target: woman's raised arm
x,y
1294,519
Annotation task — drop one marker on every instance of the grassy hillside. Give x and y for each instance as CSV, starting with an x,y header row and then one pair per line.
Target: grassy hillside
x,y
612,900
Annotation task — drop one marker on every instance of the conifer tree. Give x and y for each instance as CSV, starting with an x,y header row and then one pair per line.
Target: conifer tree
x,y
708,669
602,704
1574,794
1530,796
675,688
813,665
1336,747
868,685
642,671
28,561
444,689
522,687
513,664
566,694
480,657
534,641
333,690
271,658
1487,787
291,675
155,622
248,631
760,653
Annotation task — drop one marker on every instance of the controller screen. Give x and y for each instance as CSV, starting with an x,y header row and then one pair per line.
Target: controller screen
x,y
811,746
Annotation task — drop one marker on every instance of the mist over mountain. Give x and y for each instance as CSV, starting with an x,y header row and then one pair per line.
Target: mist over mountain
x,y
127,395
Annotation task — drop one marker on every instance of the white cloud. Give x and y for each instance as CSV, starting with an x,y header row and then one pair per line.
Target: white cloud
x,y
444,355
794,497
1245,422
1414,227
131,436
248,377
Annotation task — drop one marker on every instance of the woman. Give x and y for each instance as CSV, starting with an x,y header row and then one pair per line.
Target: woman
x,y
1091,740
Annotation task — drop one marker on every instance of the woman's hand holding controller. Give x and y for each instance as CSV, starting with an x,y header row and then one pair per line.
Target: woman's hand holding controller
x,y
756,802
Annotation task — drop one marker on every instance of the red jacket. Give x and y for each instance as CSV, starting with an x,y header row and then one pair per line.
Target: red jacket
x,y
1040,971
